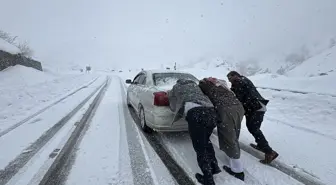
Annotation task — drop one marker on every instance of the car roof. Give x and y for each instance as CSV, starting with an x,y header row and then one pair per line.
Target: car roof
x,y
165,71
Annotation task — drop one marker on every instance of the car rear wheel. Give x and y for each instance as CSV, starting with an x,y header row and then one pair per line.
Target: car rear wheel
x,y
128,101
142,117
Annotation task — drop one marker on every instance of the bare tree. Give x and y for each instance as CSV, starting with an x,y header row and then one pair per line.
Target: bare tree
x,y
2,34
7,37
25,50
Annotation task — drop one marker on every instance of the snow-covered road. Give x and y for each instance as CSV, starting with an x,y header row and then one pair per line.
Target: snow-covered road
x,y
179,146
92,137
28,140
21,98
113,150
301,127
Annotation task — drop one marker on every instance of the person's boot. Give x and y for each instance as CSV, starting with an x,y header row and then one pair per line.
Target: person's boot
x,y
205,181
269,157
240,176
257,147
215,169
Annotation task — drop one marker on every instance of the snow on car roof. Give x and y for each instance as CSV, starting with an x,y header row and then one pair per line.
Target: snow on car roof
x,y
165,71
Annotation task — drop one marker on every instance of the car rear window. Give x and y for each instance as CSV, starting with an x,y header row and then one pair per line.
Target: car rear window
x,y
171,78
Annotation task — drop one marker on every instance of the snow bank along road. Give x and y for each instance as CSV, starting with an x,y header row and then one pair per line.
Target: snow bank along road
x,y
5,129
92,137
32,151
19,100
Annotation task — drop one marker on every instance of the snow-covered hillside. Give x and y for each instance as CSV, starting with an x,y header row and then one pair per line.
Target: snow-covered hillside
x,y
313,75
316,74
276,64
5,46
320,65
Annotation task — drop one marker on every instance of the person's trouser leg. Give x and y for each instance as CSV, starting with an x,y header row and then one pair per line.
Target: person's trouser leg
x,y
210,149
210,118
200,140
228,131
253,123
236,165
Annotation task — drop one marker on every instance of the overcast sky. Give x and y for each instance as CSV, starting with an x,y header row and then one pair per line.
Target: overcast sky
x,y
147,33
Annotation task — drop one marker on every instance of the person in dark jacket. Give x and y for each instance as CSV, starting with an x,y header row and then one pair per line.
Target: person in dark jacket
x,y
187,101
255,108
231,112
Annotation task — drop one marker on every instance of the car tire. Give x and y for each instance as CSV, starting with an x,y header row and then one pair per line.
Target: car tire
x,y
128,101
142,118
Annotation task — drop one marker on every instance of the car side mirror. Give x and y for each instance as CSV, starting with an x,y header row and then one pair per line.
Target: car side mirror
x,y
128,81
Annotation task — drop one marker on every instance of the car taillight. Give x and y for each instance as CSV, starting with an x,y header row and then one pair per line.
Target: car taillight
x,y
161,99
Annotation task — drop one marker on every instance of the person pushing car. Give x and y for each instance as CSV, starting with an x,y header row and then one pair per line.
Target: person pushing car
x,y
255,108
187,101
231,113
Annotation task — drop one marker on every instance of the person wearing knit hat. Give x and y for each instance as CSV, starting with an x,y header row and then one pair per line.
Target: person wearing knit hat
x,y
230,112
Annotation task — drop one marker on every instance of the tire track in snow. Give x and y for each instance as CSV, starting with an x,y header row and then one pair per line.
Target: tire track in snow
x,y
140,168
295,126
301,128
21,160
59,170
6,131
125,174
156,143
282,167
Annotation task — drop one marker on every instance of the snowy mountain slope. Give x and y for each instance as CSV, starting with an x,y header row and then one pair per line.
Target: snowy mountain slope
x,y
320,65
314,75
276,63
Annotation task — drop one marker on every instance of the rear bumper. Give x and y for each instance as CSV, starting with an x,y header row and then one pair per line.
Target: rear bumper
x,y
162,121
179,128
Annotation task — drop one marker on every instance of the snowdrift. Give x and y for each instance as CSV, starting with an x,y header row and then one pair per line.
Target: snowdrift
x,y
21,76
5,46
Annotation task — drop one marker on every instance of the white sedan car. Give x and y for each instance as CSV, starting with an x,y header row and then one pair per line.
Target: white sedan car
x,y
147,94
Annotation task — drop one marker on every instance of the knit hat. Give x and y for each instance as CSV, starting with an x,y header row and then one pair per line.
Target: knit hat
x,y
218,82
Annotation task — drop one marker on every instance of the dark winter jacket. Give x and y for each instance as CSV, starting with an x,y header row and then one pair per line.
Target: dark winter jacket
x,y
186,91
219,96
248,95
